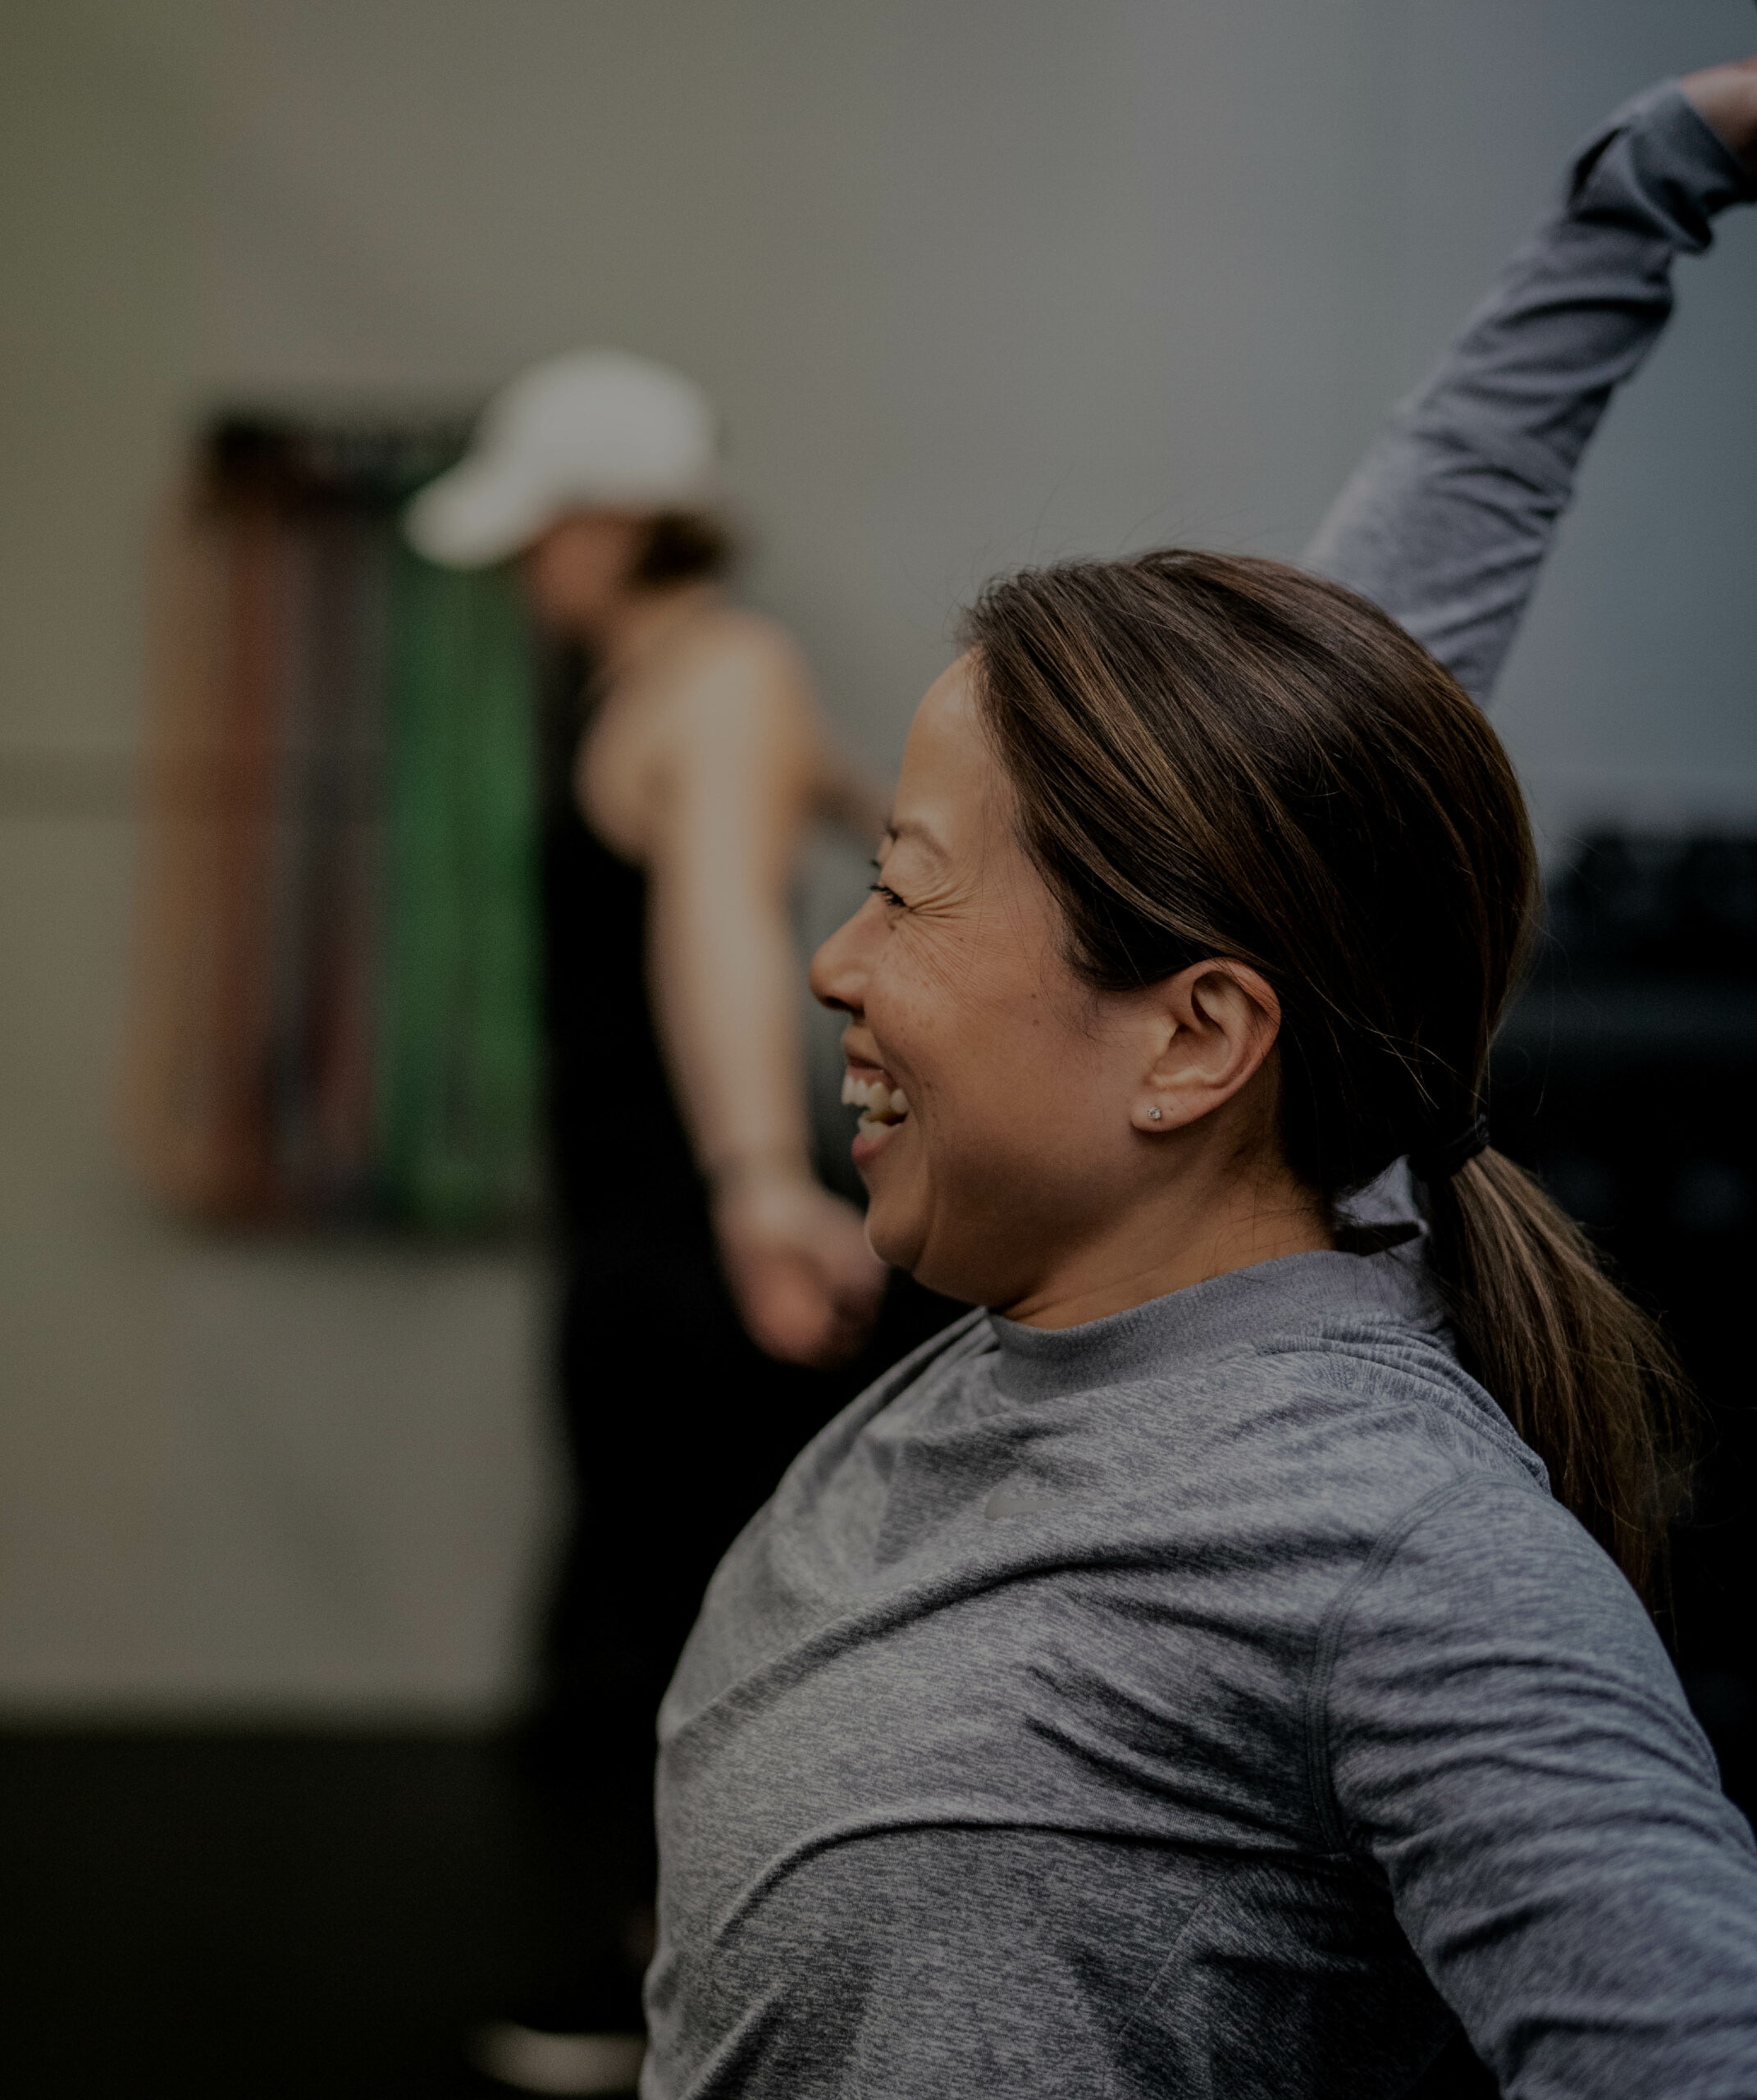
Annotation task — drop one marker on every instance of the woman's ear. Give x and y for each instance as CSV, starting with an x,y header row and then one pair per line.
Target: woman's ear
x,y
1211,1026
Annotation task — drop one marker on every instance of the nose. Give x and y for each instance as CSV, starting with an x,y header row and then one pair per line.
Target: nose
x,y
839,968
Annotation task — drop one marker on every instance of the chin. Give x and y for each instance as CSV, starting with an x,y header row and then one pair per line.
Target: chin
x,y
895,1239
953,1231
905,1242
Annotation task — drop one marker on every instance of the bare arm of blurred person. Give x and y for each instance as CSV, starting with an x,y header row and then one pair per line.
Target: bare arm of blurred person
x,y
1448,519
728,759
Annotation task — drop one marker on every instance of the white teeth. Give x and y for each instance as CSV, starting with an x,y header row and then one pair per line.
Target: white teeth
x,y
883,1104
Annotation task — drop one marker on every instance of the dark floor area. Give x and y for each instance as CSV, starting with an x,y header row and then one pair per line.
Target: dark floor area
x,y
275,1915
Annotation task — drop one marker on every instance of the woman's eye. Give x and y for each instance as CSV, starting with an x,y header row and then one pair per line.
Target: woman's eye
x,y
885,890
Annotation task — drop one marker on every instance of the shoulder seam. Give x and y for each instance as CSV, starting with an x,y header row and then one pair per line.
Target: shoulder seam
x,y
1323,1663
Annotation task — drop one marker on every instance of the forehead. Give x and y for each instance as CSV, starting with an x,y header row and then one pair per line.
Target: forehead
x,y
948,775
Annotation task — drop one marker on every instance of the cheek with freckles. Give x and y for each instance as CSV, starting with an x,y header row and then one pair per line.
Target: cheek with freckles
x,y
993,1165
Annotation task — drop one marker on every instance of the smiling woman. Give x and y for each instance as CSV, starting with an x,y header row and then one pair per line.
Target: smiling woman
x,y
1215,1666
1180,1678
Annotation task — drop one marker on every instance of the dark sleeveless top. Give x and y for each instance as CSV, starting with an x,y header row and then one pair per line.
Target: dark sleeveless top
x,y
619,1145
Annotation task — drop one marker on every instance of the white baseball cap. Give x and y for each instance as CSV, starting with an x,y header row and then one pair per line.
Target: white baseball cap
x,y
591,430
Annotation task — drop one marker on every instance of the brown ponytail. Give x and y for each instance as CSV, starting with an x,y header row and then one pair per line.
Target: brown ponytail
x,y
1582,1373
1215,755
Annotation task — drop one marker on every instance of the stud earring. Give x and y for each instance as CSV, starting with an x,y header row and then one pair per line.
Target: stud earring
x,y
1153,1115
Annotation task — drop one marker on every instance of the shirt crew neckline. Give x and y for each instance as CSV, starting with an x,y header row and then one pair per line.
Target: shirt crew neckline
x,y
1206,1320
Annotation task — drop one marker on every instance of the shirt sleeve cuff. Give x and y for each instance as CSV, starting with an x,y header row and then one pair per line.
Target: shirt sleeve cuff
x,y
1657,166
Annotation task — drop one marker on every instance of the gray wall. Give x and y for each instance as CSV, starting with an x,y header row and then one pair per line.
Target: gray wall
x,y
975,283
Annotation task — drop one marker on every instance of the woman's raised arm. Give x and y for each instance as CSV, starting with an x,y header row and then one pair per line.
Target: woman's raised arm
x,y
1446,521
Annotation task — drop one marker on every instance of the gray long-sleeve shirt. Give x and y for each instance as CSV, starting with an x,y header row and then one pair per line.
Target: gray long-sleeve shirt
x,y
1212,1700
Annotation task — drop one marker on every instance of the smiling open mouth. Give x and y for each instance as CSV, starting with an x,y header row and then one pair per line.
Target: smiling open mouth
x,y
882,1104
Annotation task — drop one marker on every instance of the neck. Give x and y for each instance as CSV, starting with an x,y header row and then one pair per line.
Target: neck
x,y
1202,1224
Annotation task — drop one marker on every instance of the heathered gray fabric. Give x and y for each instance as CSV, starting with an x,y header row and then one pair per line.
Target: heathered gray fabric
x,y
1447,520
1198,1702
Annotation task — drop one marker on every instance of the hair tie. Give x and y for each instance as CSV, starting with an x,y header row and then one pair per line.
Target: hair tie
x,y
1444,1161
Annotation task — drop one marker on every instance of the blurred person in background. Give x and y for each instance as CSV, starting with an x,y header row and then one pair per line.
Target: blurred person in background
x,y
712,1283
974,1776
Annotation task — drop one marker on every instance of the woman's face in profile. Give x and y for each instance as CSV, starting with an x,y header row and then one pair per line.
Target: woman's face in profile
x,y
1016,1145
578,570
